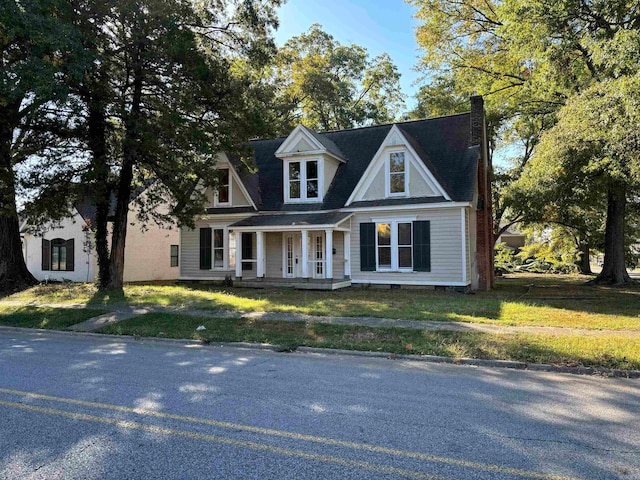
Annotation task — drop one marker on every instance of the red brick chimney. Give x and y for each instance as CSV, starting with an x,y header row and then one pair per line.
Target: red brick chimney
x,y
484,208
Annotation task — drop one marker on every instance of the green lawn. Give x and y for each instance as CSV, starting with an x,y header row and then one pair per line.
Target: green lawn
x,y
612,351
545,300
43,317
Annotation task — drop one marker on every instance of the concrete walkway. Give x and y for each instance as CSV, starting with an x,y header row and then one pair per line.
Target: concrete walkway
x,y
118,313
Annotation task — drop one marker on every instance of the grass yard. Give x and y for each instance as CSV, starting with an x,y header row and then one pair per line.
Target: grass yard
x,y
518,299
612,351
43,317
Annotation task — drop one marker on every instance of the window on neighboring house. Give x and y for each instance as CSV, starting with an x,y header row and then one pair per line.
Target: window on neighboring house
x,y
224,181
218,248
397,166
174,255
58,254
303,181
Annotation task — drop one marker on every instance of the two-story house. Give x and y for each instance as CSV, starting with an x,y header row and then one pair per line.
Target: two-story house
x,y
404,204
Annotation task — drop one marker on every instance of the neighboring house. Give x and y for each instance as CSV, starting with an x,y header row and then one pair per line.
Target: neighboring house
x,y
513,238
407,204
66,251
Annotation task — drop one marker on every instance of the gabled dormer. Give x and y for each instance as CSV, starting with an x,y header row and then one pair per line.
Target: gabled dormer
x,y
310,162
399,169
230,192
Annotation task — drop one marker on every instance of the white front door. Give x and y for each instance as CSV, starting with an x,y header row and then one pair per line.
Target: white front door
x,y
292,252
317,255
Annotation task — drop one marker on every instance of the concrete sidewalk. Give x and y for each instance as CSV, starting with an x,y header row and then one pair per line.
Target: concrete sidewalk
x,y
118,313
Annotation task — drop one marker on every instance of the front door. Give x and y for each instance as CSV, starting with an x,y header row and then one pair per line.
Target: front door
x,y
292,262
317,255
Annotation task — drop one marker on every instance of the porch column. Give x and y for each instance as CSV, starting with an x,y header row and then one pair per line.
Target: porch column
x,y
347,254
260,254
329,254
305,254
239,255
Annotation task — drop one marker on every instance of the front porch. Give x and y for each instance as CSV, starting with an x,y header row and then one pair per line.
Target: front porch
x,y
284,252
293,283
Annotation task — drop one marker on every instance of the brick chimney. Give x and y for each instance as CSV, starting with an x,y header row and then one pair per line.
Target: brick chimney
x,y
484,208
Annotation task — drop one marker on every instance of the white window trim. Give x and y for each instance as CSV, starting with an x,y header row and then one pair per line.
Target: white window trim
x,y
225,247
216,201
387,173
394,245
303,180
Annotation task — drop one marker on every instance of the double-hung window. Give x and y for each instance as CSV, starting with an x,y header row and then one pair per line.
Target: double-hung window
x,y
397,174
218,248
394,246
303,181
223,189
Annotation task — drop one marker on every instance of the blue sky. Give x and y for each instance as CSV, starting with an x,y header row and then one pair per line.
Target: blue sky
x,y
378,25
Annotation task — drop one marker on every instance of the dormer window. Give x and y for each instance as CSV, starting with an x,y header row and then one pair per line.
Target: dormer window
x,y
223,192
397,178
303,180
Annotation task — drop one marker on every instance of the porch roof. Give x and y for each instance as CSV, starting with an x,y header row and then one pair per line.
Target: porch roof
x,y
299,220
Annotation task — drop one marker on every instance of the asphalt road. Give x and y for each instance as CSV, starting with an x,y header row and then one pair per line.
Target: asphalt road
x,y
75,407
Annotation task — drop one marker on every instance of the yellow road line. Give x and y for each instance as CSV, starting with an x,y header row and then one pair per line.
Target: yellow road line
x,y
299,436
230,441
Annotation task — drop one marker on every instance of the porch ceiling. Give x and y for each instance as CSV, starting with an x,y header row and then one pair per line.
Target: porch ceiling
x,y
299,220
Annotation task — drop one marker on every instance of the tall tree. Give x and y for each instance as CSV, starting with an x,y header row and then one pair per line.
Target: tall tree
x,y
162,101
38,51
532,56
335,86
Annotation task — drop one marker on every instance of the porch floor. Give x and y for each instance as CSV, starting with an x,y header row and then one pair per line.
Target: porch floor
x,y
295,283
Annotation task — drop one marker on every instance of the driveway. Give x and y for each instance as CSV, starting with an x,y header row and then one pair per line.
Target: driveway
x,y
94,407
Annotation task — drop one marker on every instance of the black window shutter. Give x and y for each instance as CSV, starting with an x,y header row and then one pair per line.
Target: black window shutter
x,y
247,250
70,254
46,254
367,247
422,246
205,248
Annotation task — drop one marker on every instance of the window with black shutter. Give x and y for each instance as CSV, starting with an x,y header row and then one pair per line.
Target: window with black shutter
x,y
368,247
70,246
422,246
46,255
205,248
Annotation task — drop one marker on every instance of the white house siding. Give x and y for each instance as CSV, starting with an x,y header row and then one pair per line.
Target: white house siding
x,y
147,256
238,198
273,252
190,249
84,263
446,248
417,186
467,216
474,276
338,258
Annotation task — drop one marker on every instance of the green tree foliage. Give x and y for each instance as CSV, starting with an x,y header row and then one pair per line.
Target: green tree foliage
x,y
333,86
39,51
161,100
529,59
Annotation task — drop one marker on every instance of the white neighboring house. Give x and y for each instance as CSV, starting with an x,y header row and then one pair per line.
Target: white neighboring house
x,y
66,250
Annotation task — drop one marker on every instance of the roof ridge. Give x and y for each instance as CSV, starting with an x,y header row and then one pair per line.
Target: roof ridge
x,y
399,122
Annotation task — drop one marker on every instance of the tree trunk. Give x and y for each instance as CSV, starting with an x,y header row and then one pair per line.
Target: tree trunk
x,y
100,169
614,271
584,260
131,156
14,274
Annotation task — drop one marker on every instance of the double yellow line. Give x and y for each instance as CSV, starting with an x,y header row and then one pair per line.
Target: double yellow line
x,y
264,431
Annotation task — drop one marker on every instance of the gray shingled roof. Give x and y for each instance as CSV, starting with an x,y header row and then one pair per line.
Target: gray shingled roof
x,y
329,218
441,143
